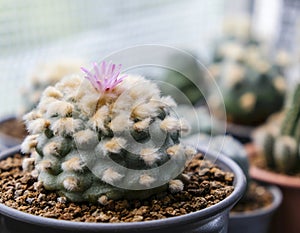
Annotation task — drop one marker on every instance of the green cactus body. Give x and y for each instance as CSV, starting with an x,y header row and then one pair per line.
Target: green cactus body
x,y
184,87
252,88
280,146
290,123
285,153
118,142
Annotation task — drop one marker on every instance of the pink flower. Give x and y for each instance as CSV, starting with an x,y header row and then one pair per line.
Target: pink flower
x,y
104,77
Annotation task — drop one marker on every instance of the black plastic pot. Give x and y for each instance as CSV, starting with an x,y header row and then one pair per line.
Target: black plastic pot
x,y
213,219
257,221
7,141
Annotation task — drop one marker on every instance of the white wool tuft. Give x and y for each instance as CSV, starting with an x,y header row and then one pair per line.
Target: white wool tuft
x,y
146,180
60,108
170,124
44,104
174,150
85,136
120,123
29,143
176,186
115,145
44,165
28,164
88,104
73,164
110,176
33,115
190,152
149,155
66,126
280,84
37,126
143,111
52,92
51,148
247,101
103,200
142,125
98,119
71,183
69,83
38,186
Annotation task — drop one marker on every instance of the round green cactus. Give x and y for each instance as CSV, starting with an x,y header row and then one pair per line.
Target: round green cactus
x,y
252,87
108,136
184,87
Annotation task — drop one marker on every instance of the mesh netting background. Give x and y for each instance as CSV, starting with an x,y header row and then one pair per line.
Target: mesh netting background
x,y
32,31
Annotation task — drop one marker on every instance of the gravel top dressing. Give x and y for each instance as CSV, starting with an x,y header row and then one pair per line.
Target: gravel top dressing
x,y
208,185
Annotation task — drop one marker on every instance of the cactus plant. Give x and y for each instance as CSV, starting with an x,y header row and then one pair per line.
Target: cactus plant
x,y
43,76
280,145
199,119
188,82
107,136
252,87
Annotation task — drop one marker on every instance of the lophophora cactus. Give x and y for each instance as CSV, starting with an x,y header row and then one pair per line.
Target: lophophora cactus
x,y
45,75
279,139
108,136
253,88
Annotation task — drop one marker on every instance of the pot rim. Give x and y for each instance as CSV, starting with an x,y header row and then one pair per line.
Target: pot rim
x,y
214,210
277,199
270,177
274,178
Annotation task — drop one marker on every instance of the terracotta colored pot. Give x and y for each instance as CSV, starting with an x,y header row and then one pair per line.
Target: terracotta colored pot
x,y
287,218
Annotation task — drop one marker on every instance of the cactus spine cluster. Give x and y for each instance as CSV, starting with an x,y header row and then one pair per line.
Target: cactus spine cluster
x,y
108,136
280,145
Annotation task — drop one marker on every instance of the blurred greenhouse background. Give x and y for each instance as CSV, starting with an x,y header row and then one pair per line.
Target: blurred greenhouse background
x,y
33,31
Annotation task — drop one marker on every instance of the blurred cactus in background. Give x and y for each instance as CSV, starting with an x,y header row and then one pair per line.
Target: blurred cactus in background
x,y
279,139
252,84
108,136
45,75
184,87
199,119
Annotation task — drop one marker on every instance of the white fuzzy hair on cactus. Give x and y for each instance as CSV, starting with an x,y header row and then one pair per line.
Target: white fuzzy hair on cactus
x,y
90,135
